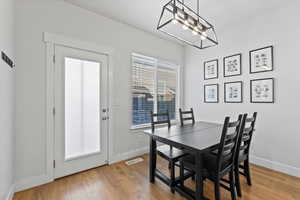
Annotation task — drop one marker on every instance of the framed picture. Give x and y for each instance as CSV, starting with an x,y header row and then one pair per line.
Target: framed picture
x,y
233,92
232,65
211,93
262,90
211,69
261,60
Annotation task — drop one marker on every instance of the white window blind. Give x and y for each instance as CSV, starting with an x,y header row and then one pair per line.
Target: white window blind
x,y
154,88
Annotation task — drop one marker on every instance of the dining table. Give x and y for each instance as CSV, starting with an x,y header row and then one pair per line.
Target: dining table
x,y
195,139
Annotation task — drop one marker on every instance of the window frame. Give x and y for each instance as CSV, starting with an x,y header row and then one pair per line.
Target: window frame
x,y
166,64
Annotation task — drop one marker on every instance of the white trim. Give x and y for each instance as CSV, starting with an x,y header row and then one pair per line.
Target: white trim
x,y
49,112
10,193
129,155
283,168
75,43
31,182
51,40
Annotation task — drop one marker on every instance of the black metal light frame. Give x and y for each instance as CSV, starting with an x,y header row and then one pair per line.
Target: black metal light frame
x,y
172,6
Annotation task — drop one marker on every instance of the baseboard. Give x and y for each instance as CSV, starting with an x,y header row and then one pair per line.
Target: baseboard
x,y
31,182
286,169
128,155
10,193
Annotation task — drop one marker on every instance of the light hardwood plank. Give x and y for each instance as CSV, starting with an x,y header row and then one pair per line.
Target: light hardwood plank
x,y
122,182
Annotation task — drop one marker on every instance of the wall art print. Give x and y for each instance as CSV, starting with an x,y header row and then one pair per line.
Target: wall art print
x,y
233,92
211,93
261,60
232,65
211,69
262,90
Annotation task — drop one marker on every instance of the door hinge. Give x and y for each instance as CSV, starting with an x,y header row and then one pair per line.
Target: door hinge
x,y
54,58
53,163
53,111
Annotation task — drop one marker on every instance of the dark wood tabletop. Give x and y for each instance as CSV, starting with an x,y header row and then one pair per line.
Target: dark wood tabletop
x,y
199,136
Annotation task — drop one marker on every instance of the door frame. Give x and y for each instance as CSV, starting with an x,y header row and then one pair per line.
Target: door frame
x,y
50,41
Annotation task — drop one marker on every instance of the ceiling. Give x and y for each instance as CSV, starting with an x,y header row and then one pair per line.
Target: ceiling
x,y
144,14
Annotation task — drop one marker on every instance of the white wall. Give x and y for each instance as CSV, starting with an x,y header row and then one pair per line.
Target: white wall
x,y
33,18
7,99
276,141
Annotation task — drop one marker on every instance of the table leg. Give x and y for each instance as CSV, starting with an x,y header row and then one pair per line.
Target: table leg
x,y
152,160
199,178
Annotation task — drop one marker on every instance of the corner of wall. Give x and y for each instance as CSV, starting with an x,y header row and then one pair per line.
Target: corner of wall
x,y
10,193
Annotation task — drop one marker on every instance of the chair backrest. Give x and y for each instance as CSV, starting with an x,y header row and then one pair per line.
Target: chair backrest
x,y
161,118
186,116
245,138
228,143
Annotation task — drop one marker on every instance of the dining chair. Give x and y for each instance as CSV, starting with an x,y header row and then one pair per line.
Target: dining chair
x,y
243,149
186,116
169,153
219,162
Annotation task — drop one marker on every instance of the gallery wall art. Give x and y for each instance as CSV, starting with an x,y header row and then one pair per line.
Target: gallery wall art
x,y
233,92
232,65
262,90
211,69
261,60
211,93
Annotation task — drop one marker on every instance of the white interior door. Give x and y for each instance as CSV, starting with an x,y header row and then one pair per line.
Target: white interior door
x,y
81,111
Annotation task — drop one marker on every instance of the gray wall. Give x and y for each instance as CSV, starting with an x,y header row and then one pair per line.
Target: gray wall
x,y
277,137
7,99
36,16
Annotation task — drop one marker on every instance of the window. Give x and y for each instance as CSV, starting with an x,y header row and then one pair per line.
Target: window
x,y
154,88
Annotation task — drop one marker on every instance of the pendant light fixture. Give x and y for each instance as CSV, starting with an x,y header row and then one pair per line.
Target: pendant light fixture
x,y
185,24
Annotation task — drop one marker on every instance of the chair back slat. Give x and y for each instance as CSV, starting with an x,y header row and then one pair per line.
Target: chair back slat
x,y
183,114
161,118
230,136
228,143
245,138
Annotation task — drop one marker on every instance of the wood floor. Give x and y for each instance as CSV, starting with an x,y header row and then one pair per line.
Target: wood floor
x,y
122,182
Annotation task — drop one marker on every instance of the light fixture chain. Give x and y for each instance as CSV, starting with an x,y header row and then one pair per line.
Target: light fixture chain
x,y
198,8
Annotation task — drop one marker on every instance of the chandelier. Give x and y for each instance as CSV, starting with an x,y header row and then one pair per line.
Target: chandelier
x,y
183,23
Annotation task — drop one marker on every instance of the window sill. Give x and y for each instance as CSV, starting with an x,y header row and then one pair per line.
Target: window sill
x,y
137,127
148,126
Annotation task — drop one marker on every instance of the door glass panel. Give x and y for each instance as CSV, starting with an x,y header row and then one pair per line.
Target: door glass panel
x,y
82,107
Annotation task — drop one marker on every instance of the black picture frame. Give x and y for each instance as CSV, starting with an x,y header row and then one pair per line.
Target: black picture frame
x,y
242,93
272,59
273,90
240,67
207,85
204,65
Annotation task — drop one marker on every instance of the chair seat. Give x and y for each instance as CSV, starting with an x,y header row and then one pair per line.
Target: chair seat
x,y
170,153
209,162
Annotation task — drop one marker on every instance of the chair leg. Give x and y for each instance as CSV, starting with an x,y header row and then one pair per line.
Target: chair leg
x,y
237,181
172,176
232,185
247,171
217,189
181,174
194,177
